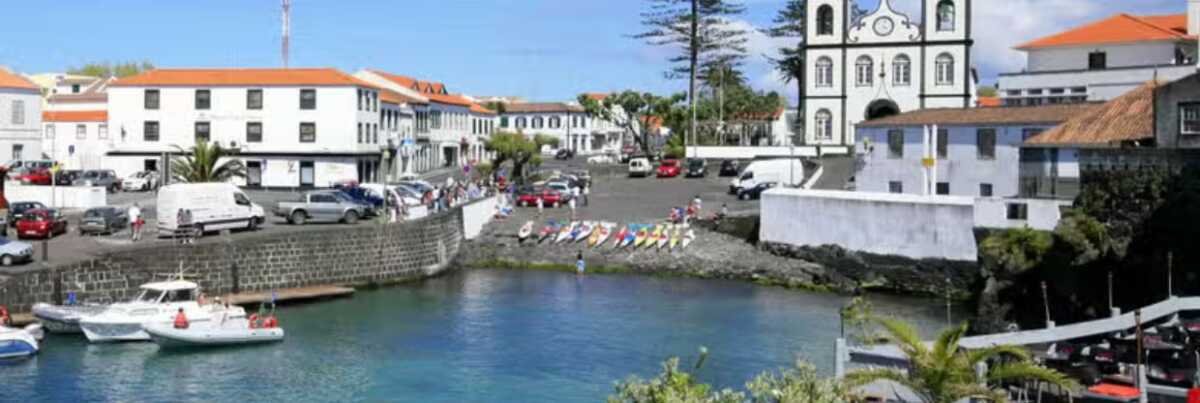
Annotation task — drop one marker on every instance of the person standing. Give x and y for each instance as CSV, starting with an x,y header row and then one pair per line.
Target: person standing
x,y
586,190
572,204
135,222
580,265
540,204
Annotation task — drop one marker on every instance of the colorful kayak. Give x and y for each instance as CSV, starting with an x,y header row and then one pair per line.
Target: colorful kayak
x,y
640,238
687,239
585,231
620,237
665,237
598,235
652,239
525,232
675,237
565,232
548,231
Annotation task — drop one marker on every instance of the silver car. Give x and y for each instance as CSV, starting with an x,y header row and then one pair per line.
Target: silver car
x,y
12,252
325,205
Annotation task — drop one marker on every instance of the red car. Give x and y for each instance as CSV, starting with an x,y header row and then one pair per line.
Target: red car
x,y
549,197
41,223
34,177
669,168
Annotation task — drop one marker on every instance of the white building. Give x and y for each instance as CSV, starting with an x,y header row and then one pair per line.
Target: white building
x,y
883,64
569,122
20,118
53,84
75,122
292,127
1104,59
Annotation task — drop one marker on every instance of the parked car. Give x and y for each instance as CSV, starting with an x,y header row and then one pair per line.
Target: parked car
x,y
668,168
12,252
729,168
755,192
41,223
560,186
16,210
27,165
639,166
360,195
697,168
104,178
528,197
406,196
786,171
213,207
141,181
322,205
66,177
564,154
583,176
40,177
103,220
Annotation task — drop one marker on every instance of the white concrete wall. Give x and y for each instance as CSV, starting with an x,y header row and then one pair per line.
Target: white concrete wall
x,y
63,143
887,224
476,215
75,197
1041,214
25,131
746,153
1102,85
1117,55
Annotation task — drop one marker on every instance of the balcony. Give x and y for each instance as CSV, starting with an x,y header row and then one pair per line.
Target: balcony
x,y
1102,85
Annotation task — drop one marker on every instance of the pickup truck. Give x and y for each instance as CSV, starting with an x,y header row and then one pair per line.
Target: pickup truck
x,y
326,205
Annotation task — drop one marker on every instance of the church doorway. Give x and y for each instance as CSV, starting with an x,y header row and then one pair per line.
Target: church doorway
x,y
882,108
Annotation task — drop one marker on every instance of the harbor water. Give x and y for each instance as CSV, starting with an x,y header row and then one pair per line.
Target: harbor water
x,y
472,336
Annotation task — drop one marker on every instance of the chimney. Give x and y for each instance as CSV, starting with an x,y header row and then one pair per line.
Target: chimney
x,y
1193,17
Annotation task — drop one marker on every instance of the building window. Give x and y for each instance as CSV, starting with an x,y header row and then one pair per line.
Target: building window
x,y
17,151
203,132
985,190
824,72
1029,133
864,70
307,174
825,20
943,188
1018,211
18,112
555,122
895,140
945,69
254,99
1189,118
1097,61
150,131
254,132
308,132
824,125
895,187
75,88
902,76
50,131
374,133
504,122
360,125
537,122
521,123
308,99
151,99
945,15
81,132
985,142
943,144
102,133
203,99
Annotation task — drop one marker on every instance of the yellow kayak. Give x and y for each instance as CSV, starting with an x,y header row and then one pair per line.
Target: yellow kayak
x,y
675,238
640,239
653,238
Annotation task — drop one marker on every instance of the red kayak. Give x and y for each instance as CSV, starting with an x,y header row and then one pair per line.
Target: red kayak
x,y
621,236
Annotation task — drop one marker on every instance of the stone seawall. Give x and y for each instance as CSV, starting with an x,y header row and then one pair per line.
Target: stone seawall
x,y
292,257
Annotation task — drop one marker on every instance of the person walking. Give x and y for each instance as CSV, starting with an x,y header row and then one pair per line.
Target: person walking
x,y
135,222
572,204
586,190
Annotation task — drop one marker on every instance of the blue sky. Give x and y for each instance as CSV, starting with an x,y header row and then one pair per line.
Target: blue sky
x,y
537,49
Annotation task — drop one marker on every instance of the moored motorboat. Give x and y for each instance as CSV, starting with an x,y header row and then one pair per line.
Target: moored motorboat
x,y
158,302
212,334
525,231
17,343
64,318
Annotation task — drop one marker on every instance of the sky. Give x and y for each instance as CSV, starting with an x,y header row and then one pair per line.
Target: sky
x,y
542,50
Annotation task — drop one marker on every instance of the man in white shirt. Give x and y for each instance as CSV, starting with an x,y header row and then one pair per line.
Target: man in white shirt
x,y
135,222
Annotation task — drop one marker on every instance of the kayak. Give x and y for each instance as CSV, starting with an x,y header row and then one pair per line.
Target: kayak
x,y
547,231
642,234
598,236
565,232
585,231
620,237
675,238
665,237
652,239
525,232
211,334
687,239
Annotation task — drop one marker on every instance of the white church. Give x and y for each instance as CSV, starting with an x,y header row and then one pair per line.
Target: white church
x,y
883,64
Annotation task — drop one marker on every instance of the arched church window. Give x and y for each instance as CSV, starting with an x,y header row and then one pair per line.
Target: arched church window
x,y
824,72
902,76
945,69
864,69
824,124
945,15
825,20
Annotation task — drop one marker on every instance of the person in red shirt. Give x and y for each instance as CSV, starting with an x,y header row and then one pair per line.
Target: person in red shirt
x,y
181,321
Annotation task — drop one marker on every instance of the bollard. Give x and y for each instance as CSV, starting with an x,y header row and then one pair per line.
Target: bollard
x,y
45,250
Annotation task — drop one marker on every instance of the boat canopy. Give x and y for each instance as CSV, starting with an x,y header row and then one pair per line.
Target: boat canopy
x,y
175,285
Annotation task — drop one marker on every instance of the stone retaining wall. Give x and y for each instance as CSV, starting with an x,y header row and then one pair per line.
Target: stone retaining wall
x,y
292,257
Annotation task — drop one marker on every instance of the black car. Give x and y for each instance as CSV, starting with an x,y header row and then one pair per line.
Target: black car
x,y
16,210
755,192
103,220
66,177
697,168
729,168
564,154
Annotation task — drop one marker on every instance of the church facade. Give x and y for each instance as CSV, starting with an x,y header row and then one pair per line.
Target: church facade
x,y
882,64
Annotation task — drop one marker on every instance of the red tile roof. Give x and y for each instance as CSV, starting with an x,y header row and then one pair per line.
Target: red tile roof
x,y
13,80
75,116
242,77
435,91
1129,117
393,97
596,96
480,109
1120,28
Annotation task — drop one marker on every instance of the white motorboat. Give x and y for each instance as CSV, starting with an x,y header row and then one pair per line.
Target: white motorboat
x,y
213,333
64,318
16,343
158,303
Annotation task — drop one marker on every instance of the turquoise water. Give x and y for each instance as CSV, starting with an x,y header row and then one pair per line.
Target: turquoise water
x,y
473,336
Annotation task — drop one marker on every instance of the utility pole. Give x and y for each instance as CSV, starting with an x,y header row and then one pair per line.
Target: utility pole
x,y
287,31
695,60
1170,271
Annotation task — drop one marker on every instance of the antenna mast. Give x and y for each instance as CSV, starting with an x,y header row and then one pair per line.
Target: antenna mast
x,y
287,30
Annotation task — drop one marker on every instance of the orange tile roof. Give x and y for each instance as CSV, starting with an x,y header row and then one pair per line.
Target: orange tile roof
x,y
75,116
13,80
393,97
1129,117
477,108
242,77
424,87
988,102
595,96
1120,28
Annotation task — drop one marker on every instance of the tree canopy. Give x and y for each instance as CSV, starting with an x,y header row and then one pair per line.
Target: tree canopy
x,y
632,111
518,149
203,164
108,69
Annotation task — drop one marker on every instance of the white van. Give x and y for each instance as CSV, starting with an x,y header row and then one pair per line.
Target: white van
x,y
213,206
785,172
639,167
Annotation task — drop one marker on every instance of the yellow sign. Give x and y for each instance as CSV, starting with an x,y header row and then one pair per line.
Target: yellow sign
x,y
928,162
55,168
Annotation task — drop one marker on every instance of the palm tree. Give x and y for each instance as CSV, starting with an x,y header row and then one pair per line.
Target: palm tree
x,y
941,372
203,164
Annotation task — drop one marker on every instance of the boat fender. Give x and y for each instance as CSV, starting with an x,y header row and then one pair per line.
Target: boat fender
x,y
270,323
5,319
254,321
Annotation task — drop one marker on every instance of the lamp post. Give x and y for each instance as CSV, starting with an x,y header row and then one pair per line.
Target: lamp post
x,y
1046,305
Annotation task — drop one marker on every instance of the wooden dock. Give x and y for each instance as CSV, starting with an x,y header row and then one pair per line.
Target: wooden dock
x,y
22,319
288,295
